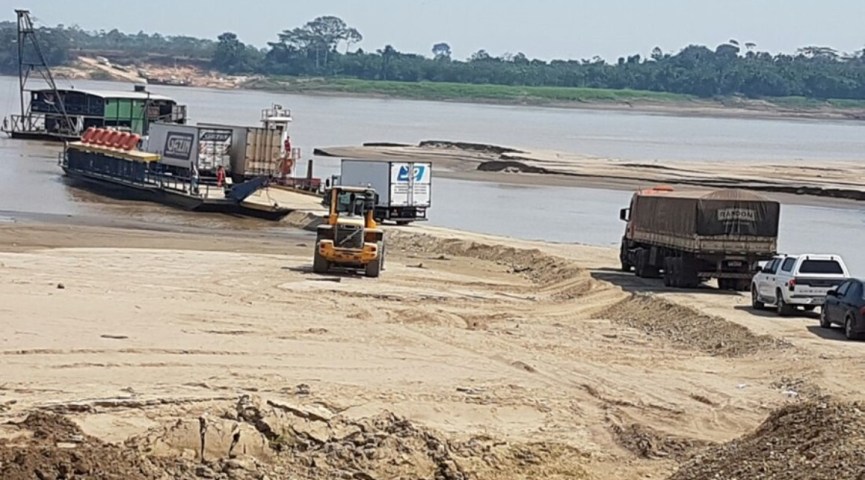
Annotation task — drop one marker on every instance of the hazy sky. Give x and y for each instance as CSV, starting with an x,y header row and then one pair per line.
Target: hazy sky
x,y
539,28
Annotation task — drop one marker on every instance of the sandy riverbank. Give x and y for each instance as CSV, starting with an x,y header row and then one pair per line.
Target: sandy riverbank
x,y
471,357
830,181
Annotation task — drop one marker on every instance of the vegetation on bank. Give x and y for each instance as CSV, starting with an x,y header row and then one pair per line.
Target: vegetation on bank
x,y
521,95
462,91
324,48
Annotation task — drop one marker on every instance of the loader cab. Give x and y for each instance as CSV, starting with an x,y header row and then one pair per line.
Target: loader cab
x,y
353,203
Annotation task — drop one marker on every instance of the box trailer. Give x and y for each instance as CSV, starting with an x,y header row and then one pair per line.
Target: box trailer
x,y
244,152
404,188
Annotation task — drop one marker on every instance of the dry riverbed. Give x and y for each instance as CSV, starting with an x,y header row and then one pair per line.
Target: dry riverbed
x,y
830,180
471,357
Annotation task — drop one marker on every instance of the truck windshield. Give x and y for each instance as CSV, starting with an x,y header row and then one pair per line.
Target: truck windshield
x,y
830,267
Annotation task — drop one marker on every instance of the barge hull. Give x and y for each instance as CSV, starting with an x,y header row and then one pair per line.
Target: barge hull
x,y
126,191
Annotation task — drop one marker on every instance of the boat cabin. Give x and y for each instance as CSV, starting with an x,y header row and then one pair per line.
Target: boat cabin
x,y
131,111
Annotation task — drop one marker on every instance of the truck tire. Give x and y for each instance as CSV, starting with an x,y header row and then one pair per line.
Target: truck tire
x,y
756,304
743,285
668,271
319,264
644,268
676,279
686,272
784,310
373,268
640,263
623,257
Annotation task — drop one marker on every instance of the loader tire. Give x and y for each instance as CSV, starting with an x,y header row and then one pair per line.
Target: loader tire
x,y
373,268
320,264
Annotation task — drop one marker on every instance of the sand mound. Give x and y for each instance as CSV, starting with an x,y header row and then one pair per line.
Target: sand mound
x,y
313,444
471,147
806,441
687,327
52,447
256,439
304,220
557,276
646,442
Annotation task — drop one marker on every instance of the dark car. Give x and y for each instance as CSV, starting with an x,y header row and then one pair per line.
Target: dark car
x,y
845,306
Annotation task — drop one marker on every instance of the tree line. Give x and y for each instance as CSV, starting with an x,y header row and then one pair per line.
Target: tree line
x,y
326,47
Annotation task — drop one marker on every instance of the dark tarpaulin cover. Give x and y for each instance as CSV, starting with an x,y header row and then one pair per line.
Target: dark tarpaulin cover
x,y
715,213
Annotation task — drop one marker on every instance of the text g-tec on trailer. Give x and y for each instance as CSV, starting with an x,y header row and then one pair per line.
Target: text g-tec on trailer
x,y
404,188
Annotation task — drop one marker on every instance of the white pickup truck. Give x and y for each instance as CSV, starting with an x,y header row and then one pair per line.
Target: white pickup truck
x,y
792,281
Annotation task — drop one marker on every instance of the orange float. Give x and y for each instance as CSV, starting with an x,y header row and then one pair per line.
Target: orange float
x,y
120,140
131,142
88,135
108,140
99,136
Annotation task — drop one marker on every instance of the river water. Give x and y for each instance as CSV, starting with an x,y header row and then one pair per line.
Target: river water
x,y
30,182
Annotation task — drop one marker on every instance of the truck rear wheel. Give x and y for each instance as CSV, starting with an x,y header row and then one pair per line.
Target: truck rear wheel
x,y
686,273
319,263
644,268
373,268
668,272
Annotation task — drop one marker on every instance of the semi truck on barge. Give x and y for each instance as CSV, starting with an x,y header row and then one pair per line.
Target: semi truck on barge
x,y
690,236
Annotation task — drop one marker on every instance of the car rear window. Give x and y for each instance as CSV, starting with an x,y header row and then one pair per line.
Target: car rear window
x,y
830,267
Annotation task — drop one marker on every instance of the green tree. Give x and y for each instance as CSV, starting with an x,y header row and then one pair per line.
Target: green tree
x,y
441,51
231,55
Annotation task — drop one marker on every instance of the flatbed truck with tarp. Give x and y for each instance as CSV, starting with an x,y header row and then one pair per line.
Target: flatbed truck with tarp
x,y
687,237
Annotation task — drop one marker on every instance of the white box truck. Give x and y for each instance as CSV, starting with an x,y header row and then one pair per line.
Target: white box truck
x,y
404,188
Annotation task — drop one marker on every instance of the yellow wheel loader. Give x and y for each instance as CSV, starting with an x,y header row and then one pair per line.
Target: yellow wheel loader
x,y
351,239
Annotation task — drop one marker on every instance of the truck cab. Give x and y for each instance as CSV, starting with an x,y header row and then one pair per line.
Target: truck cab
x,y
797,281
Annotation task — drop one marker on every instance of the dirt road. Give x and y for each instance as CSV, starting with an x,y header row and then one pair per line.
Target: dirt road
x,y
471,357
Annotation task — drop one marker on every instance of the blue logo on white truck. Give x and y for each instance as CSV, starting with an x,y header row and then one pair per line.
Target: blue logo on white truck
x,y
418,173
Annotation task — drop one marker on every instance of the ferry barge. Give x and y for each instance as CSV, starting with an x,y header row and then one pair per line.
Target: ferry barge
x,y
205,167
110,162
